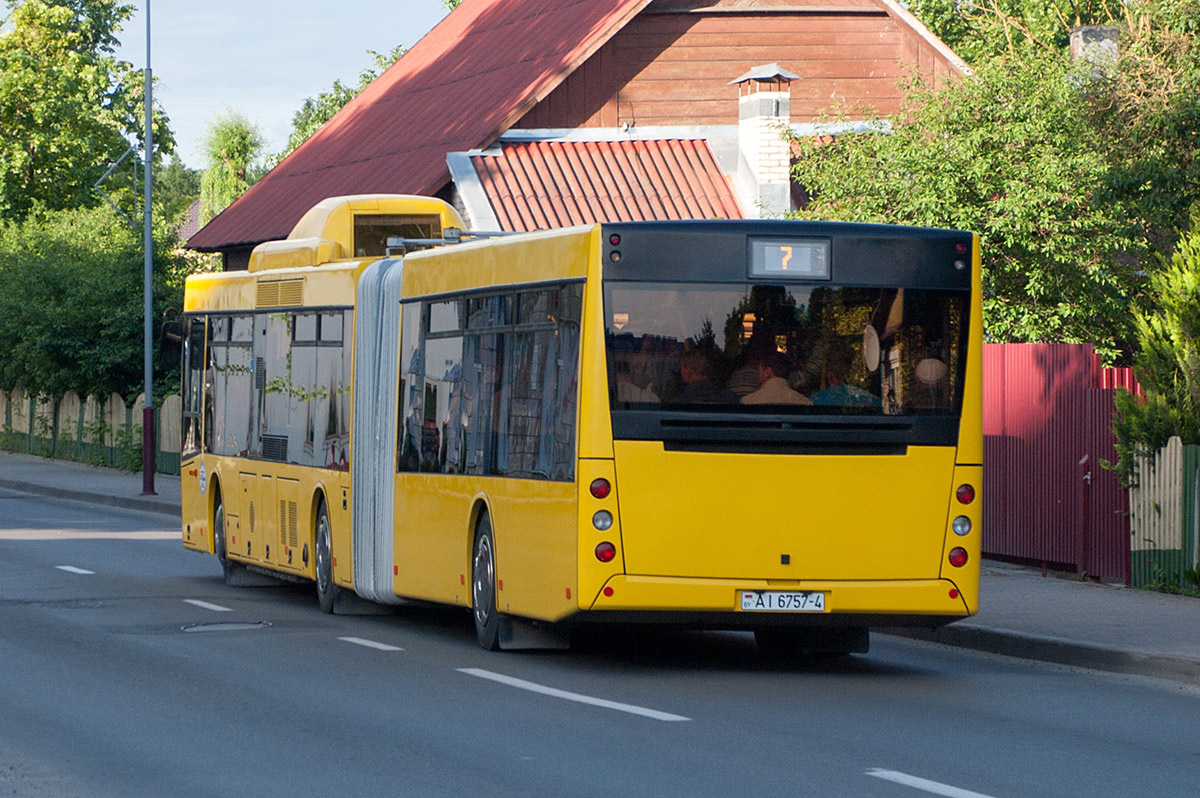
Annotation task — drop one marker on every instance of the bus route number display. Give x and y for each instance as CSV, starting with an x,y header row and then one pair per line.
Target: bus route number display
x,y
799,258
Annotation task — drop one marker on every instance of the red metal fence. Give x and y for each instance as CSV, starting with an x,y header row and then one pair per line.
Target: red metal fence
x,y
1047,425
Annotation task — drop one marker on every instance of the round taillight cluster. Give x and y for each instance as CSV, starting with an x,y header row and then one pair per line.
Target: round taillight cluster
x,y
603,520
965,494
958,556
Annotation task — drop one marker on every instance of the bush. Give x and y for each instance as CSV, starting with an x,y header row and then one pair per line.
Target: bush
x,y
1167,364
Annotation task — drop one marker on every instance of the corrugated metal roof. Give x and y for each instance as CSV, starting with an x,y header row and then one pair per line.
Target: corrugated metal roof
x,y
468,80
539,185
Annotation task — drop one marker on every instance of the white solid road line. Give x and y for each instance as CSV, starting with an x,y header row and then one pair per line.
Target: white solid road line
x,y
533,687
918,783
71,569
358,641
206,606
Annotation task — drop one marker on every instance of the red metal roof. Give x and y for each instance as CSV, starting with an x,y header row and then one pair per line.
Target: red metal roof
x,y
470,78
539,185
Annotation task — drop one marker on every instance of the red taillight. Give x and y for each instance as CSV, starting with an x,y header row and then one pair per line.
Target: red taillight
x,y
608,591
605,552
600,488
614,239
965,494
958,556
953,593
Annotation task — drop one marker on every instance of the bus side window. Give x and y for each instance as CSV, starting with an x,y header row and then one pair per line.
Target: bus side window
x,y
412,389
194,379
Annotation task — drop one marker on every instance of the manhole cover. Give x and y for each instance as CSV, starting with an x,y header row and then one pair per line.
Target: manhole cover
x,y
226,627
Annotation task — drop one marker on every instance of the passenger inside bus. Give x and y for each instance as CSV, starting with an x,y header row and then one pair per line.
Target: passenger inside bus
x,y
773,371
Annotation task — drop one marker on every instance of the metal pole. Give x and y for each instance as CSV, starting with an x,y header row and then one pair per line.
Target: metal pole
x,y
149,444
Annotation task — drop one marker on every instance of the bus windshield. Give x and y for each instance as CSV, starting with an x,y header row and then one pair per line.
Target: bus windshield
x,y
793,349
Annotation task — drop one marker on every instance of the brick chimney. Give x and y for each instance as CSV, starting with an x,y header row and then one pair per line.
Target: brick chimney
x,y
763,178
1095,45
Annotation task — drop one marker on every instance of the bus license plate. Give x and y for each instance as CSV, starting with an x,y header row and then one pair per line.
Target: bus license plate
x,y
779,601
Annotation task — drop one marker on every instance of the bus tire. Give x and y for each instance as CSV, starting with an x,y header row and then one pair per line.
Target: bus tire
x,y
782,641
327,591
483,586
220,548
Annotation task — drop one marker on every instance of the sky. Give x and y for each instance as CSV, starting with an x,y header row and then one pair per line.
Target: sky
x,y
261,57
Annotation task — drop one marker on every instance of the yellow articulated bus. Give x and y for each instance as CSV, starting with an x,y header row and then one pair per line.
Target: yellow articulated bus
x,y
762,425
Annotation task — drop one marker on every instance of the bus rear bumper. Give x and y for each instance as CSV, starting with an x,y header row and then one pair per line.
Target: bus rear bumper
x,y
716,603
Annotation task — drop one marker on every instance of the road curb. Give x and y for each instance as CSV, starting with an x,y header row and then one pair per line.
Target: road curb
x,y
1044,648
143,504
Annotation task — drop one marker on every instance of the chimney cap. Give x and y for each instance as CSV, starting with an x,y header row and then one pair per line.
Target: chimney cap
x,y
766,72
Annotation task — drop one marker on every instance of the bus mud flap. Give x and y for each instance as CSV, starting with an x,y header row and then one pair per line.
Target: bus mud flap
x,y
517,634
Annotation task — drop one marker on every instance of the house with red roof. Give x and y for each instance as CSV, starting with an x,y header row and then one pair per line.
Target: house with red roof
x,y
533,114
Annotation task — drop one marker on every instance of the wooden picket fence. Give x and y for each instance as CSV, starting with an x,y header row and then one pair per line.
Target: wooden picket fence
x,y
1165,516
105,433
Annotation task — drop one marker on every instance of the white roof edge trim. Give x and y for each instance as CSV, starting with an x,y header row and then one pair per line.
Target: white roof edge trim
x,y
474,198
840,128
925,33
634,133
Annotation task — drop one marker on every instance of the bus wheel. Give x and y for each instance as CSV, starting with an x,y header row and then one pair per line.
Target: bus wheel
x,y
327,591
777,641
219,534
483,587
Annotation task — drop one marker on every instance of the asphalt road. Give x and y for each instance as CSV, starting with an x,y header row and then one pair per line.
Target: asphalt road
x,y
128,668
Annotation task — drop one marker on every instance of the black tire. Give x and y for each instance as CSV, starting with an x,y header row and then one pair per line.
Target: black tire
x,y
327,591
783,641
483,586
220,536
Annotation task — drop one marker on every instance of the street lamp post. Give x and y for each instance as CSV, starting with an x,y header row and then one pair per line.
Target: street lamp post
x,y
148,442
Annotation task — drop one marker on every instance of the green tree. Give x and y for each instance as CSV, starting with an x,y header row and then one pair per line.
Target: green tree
x,y
176,187
1167,364
69,106
318,110
1074,176
987,28
1006,153
71,301
231,148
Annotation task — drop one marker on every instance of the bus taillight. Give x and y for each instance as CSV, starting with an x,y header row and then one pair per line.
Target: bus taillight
x,y
605,552
965,494
958,556
600,488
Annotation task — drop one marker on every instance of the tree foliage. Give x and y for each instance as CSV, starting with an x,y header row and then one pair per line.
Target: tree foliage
x,y
71,302
1007,154
69,106
1074,176
1168,361
176,187
318,110
231,148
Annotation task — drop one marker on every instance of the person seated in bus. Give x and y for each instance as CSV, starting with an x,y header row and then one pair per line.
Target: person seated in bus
x,y
634,385
744,379
837,390
773,385
695,370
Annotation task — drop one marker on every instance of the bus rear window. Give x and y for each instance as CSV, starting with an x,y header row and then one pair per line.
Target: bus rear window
x,y
785,348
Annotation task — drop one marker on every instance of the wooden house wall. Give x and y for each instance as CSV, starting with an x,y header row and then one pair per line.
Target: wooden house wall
x,y
672,66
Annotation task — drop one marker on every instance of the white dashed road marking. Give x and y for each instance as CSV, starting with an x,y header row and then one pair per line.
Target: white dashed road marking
x,y
204,605
71,569
926,785
533,687
358,641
